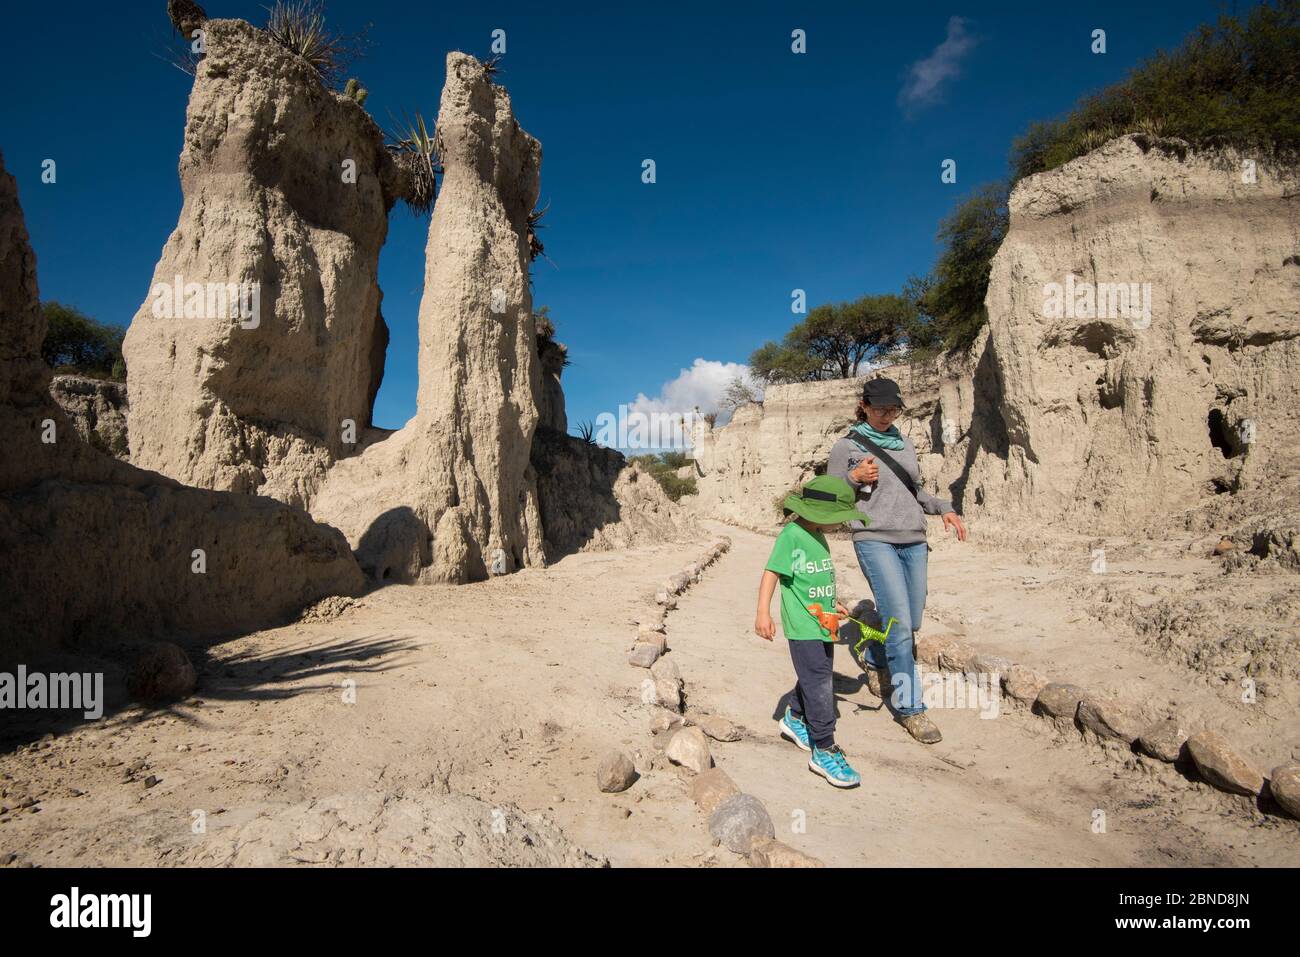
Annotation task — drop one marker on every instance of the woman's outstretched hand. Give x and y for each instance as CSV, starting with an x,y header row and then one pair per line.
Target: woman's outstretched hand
x,y
953,520
764,627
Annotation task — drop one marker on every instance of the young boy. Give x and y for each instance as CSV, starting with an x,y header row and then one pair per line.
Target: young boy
x,y
801,564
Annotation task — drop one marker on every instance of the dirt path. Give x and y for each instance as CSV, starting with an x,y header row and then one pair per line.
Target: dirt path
x,y
463,725
1000,791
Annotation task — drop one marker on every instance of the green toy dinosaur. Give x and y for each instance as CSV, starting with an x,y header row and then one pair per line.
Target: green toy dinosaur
x,y
869,633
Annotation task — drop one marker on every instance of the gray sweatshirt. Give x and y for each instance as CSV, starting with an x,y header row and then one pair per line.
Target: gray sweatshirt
x,y
896,516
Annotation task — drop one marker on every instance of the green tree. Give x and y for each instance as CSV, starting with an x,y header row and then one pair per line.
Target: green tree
x,y
779,362
835,339
76,343
738,393
951,298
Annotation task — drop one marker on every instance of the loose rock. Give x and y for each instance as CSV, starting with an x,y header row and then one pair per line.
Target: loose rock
x,y
1060,700
1023,684
668,693
643,655
719,728
656,638
772,853
929,647
161,672
957,656
615,773
1111,718
711,788
689,748
739,821
1164,740
666,669
663,720
992,664
1285,785
1221,766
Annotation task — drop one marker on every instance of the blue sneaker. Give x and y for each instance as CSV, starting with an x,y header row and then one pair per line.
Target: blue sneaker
x,y
795,730
834,767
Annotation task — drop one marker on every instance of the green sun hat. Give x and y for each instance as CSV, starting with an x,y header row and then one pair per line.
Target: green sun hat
x,y
826,500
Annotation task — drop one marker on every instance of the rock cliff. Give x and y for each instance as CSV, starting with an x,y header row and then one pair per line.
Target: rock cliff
x,y
1120,416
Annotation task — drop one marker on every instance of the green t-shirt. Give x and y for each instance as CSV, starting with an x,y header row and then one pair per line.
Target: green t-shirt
x,y
803,561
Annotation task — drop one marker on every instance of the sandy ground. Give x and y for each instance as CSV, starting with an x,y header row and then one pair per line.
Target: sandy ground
x,y
480,713
1069,619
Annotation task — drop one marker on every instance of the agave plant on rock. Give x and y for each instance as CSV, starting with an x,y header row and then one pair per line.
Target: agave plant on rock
x,y
416,149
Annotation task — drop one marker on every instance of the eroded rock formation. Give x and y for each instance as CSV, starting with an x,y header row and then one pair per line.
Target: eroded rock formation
x,y
591,498
1120,417
92,549
287,188
262,403
456,481
97,409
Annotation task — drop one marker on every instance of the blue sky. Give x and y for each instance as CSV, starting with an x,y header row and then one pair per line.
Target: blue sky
x,y
776,170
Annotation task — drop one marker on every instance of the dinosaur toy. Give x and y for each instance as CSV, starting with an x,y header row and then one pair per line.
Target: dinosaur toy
x,y
870,634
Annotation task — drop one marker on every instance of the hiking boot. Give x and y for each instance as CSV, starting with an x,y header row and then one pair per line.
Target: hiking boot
x,y
834,767
877,678
921,727
795,730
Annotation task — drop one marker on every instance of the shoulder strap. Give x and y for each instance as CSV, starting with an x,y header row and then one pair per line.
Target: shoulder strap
x,y
881,455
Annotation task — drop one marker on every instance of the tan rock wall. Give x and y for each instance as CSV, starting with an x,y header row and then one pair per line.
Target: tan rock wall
x,y
92,549
457,477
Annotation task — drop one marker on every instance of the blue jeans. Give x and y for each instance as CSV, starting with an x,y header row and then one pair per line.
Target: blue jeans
x,y
897,575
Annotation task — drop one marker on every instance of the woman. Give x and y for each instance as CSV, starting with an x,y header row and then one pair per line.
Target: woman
x,y
891,547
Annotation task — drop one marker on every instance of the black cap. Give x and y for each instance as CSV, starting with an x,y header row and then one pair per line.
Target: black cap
x,y
882,392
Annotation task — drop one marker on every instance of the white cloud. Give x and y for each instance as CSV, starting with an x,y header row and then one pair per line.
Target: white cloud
x,y
701,385
925,78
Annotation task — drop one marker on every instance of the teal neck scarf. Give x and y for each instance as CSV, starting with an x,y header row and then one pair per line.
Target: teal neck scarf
x,y
890,439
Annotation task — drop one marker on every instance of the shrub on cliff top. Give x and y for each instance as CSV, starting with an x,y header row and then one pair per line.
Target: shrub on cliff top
x,y
1235,83
299,27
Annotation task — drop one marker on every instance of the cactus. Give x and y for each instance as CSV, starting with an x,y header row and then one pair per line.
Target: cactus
x,y
355,91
